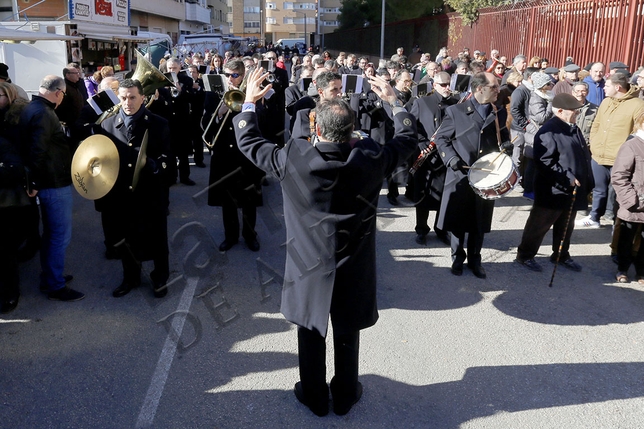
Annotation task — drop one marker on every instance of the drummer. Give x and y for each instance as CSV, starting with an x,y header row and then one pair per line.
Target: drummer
x,y
460,145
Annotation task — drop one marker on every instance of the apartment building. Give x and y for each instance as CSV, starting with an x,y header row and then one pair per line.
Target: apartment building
x,y
271,20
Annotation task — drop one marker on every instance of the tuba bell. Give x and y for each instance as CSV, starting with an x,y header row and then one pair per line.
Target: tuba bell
x,y
151,79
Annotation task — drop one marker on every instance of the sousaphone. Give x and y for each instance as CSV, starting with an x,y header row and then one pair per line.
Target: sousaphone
x,y
95,167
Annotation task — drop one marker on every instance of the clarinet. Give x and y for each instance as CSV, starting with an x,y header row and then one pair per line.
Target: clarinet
x,y
422,157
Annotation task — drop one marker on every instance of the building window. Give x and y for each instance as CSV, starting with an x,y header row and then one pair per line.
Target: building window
x,y
271,20
251,9
310,6
271,6
288,5
251,24
330,10
330,23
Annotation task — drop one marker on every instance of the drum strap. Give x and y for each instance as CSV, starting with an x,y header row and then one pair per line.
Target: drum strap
x,y
496,122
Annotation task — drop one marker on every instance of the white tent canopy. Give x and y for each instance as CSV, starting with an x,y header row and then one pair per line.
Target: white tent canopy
x,y
8,34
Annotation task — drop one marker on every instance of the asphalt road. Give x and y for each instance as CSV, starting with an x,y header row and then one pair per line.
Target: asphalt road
x,y
447,352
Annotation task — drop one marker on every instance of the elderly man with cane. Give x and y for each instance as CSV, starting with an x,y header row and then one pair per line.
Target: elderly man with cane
x,y
562,183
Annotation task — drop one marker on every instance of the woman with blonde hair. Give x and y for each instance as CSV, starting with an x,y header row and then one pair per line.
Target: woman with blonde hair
x,y
535,62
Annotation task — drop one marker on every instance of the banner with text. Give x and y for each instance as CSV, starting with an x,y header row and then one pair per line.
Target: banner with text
x,y
115,12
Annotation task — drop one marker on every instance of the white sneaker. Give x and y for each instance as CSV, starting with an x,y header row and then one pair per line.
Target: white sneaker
x,y
587,222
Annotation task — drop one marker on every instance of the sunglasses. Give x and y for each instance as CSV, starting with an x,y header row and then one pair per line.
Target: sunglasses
x,y
233,75
444,85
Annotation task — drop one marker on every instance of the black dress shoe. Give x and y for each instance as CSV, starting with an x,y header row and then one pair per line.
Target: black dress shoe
x,y
253,244
188,182
457,268
66,294
321,409
200,164
341,409
421,239
226,245
477,270
392,200
123,289
68,278
8,305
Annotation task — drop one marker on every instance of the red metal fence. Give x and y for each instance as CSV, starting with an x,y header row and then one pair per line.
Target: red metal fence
x,y
588,31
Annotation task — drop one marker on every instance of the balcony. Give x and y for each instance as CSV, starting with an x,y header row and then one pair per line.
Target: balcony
x,y
197,13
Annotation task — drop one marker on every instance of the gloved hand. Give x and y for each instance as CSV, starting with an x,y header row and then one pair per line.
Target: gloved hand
x,y
507,147
457,164
151,165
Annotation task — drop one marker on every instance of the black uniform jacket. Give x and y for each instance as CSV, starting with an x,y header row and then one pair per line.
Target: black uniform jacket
x,y
468,136
330,193
430,177
144,209
560,156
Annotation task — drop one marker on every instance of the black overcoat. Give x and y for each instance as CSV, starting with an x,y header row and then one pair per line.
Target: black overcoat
x,y
560,156
429,180
466,135
330,193
234,180
141,214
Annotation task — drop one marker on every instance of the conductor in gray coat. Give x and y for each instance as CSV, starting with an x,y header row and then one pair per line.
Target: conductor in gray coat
x,y
330,190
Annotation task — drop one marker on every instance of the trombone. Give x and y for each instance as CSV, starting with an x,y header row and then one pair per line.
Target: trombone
x,y
234,100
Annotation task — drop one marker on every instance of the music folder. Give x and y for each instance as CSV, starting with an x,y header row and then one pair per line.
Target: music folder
x,y
461,83
103,101
351,84
215,83
421,90
305,82
203,69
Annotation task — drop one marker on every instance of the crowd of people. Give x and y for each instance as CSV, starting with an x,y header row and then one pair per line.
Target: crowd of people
x,y
332,129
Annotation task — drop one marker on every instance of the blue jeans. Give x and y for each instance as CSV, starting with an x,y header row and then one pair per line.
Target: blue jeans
x,y
601,174
56,208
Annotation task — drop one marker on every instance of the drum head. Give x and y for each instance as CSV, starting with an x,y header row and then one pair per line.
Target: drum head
x,y
490,170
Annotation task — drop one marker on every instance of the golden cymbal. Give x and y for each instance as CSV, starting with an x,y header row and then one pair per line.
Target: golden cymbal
x,y
141,159
95,167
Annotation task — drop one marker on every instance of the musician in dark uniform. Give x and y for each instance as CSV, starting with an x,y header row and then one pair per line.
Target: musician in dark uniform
x,y
179,119
402,88
196,112
235,182
331,192
329,85
138,214
469,131
429,178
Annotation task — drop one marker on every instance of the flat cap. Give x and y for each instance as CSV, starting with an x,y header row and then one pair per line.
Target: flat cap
x,y
571,68
566,101
551,70
617,65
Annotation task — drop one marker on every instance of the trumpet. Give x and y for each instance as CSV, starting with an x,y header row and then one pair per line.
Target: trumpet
x,y
234,100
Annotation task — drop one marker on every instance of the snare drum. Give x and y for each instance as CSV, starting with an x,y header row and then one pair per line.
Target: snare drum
x,y
493,175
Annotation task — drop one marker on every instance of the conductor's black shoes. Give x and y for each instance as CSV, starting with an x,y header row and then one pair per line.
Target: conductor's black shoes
x,y
320,408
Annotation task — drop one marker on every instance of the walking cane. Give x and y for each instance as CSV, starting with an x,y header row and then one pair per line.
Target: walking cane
x,y
572,204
